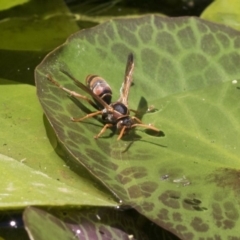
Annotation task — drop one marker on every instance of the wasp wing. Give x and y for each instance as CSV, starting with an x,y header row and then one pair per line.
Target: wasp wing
x,y
86,89
124,91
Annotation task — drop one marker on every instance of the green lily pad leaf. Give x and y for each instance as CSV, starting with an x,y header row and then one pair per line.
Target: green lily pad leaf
x,y
42,225
35,32
36,188
186,179
91,223
5,4
225,12
24,139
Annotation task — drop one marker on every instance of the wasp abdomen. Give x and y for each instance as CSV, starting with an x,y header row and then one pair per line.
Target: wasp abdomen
x,y
99,87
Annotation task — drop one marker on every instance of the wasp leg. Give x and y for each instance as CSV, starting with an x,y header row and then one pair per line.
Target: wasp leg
x,y
108,125
71,93
140,124
121,133
145,126
135,111
137,120
87,116
151,109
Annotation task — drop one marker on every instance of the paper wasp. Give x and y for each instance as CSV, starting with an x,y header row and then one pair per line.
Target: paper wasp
x,y
113,113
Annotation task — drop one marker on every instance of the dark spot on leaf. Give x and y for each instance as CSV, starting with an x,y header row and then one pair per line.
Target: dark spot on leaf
x,y
228,224
237,43
177,217
57,124
77,138
54,105
171,26
90,37
101,159
230,62
81,157
72,144
134,191
217,211
226,178
210,49
150,60
199,225
188,236
211,75
166,70
163,214
202,27
102,39
166,42
197,61
148,187
144,189
170,199
148,206
146,33
96,155
127,36
223,39
231,238
231,211
120,50
124,180
181,228
158,22
187,38
137,172
198,208
219,196
102,175
102,53
100,167
192,201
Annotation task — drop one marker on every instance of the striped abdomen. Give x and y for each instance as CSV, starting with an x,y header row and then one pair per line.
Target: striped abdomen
x,y
99,87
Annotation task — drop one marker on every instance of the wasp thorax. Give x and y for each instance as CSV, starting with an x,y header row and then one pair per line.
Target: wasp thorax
x,y
99,87
125,122
120,107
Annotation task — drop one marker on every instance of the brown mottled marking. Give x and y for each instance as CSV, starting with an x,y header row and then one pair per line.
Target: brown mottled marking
x,y
177,217
170,199
164,214
148,206
199,225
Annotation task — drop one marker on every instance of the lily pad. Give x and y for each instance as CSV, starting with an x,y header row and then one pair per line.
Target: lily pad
x,y
225,12
36,188
90,223
7,4
35,30
186,179
32,172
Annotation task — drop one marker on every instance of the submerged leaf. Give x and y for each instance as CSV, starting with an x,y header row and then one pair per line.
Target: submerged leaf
x,y
186,179
91,223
